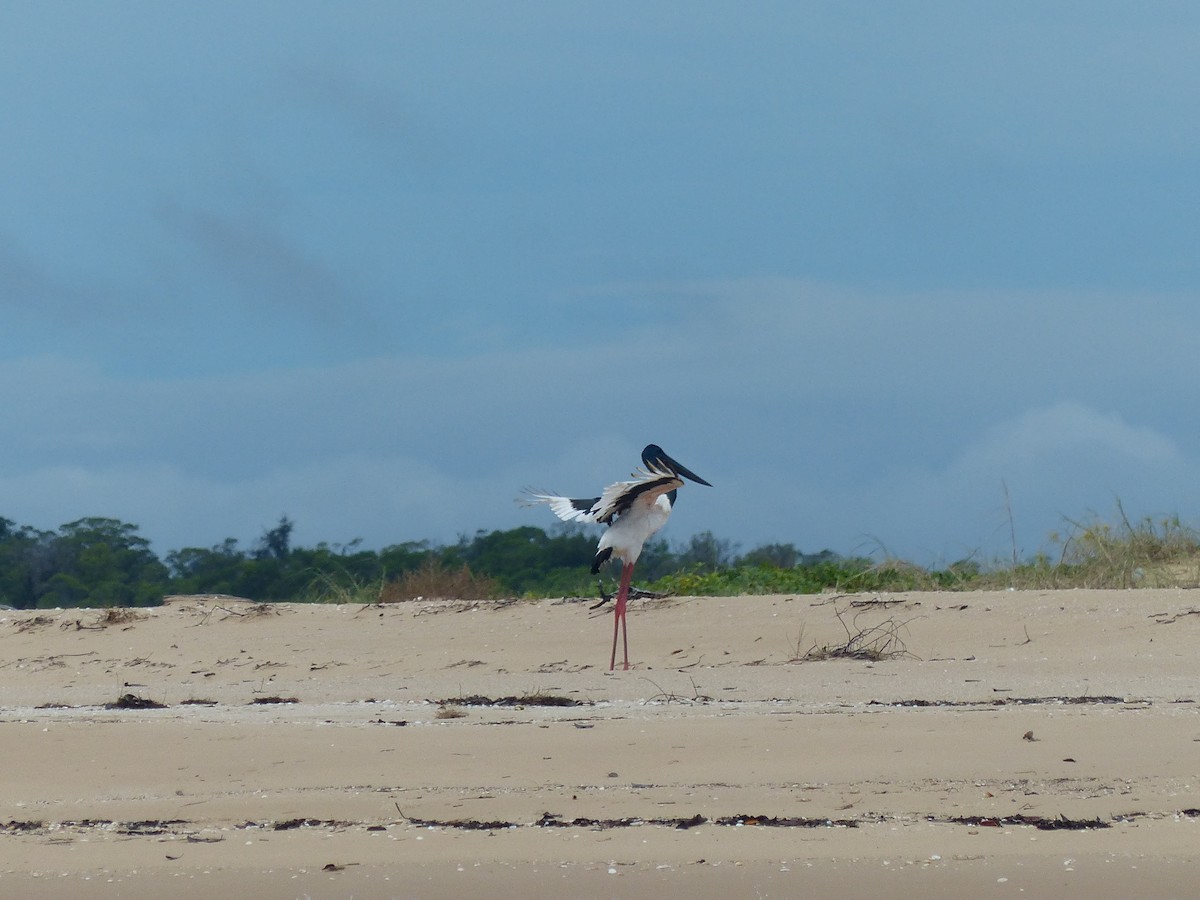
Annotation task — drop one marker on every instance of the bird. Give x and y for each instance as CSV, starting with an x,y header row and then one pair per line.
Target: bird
x,y
633,511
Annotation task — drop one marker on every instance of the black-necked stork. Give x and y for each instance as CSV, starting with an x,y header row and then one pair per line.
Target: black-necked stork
x,y
633,511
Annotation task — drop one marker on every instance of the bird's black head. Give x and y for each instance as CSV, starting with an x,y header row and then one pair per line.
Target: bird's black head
x,y
654,458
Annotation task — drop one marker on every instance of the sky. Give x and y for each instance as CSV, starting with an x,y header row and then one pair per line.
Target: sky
x,y
916,279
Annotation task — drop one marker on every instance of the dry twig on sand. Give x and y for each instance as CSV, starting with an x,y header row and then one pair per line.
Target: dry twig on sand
x,y
875,642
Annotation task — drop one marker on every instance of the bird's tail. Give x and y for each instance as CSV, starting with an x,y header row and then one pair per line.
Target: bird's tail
x,y
600,559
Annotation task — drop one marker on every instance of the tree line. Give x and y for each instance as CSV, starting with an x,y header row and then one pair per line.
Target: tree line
x,y
101,562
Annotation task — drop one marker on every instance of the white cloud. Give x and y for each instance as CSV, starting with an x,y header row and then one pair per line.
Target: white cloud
x,y
1068,432
1042,467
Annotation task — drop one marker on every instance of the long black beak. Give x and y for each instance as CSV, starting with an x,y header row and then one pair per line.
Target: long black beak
x,y
654,458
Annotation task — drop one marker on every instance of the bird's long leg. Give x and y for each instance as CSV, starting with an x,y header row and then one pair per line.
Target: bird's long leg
x,y
619,616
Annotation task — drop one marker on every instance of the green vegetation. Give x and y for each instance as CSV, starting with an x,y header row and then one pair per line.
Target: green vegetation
x,y
98,562
1094,553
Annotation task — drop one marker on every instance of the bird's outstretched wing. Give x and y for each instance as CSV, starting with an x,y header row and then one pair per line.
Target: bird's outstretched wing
x,y
646,487
659,474
565,508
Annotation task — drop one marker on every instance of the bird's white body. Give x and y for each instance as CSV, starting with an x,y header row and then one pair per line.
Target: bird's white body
x,y
629,532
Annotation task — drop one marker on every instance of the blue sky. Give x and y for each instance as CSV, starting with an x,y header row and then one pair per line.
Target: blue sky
x,y
376,266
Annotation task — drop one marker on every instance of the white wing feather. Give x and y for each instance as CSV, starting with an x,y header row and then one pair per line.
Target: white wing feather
x,y
563,507
614,500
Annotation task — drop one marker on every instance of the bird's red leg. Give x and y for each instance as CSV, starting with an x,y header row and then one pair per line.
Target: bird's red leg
x,y
619,616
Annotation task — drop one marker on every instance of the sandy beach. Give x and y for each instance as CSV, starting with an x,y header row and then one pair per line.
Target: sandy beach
x,y
1005,744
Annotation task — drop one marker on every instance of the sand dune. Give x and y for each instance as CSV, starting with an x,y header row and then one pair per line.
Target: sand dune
x,y
1006,743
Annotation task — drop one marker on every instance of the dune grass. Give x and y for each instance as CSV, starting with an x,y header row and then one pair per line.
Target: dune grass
x,y
1087,553
433,580
436,580
844,575
1091,552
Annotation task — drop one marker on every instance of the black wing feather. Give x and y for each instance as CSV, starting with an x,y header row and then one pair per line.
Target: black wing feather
x,y
630,497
